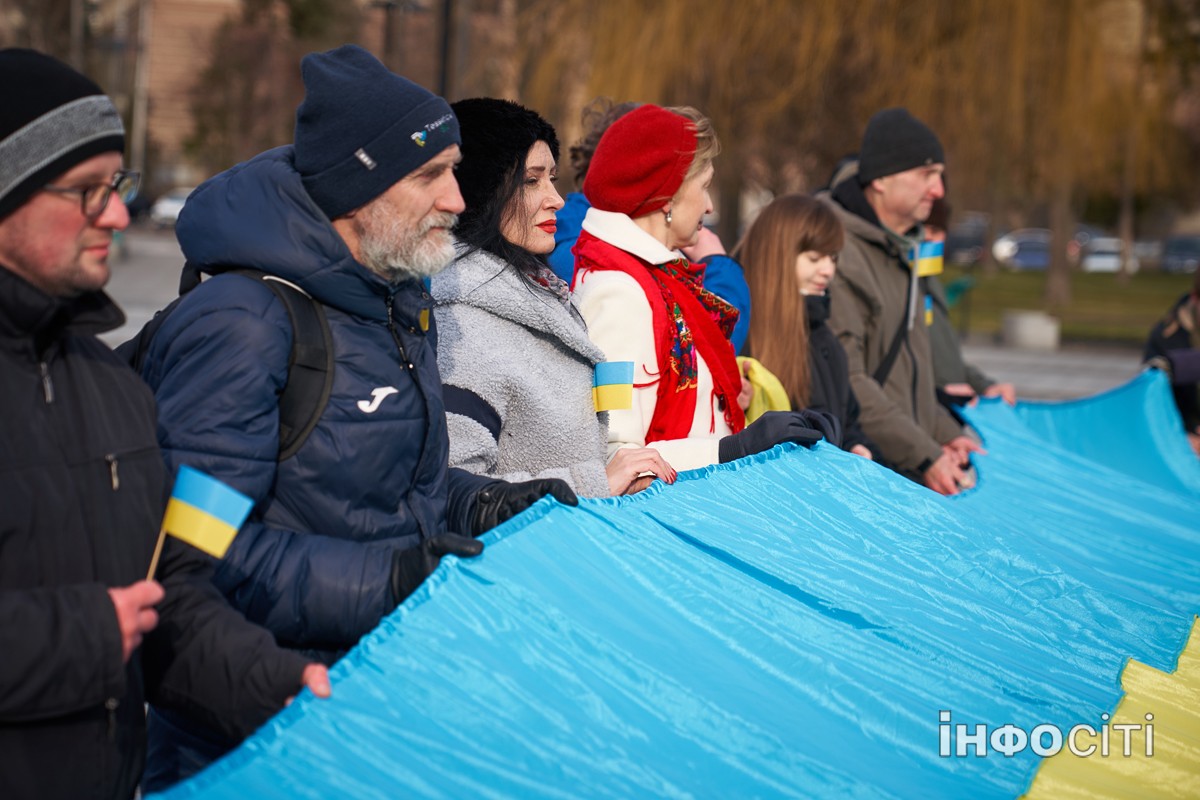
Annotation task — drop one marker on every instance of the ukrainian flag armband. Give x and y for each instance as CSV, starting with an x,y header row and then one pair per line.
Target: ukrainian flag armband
x,y
612,387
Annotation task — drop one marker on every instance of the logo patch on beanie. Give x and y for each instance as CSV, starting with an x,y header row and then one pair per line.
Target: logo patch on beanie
x,y
362,156
438,124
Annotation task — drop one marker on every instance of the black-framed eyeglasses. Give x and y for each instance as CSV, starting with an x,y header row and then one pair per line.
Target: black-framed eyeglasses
x,y
93,199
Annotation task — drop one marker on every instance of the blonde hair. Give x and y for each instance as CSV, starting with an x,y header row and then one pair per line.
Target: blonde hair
x,y
790,225
708,146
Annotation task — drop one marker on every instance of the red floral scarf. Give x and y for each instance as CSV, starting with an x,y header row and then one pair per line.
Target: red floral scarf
x,y
688,319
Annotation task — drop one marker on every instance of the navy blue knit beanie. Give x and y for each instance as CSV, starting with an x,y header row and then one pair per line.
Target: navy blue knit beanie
x,y
362,128
896,141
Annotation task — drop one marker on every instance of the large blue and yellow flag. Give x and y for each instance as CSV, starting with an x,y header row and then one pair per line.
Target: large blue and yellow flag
x,y
800,623
204,512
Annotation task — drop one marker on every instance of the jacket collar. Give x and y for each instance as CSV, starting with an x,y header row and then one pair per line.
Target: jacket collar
x,y
816,309
484,281
863,220
622,232
26,312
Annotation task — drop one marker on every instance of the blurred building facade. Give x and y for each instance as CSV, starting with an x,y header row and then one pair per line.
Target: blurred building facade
x,y
150,56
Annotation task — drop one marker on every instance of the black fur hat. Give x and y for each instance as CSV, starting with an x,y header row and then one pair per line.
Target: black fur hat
x,y
496,137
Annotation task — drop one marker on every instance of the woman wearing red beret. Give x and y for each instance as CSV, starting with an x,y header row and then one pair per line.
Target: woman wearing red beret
x,y
644,301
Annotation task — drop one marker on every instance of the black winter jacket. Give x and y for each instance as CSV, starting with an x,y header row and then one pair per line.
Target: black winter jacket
x,y
1174,334
82,490
829,375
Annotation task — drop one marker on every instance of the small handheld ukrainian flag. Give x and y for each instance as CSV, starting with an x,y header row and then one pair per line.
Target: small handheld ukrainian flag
x,y
612,388
928,257
203,512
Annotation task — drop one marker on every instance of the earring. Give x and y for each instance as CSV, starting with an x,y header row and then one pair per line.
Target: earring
x,y
668,213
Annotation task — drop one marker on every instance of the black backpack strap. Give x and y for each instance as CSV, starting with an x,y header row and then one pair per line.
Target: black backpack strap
x,y
885,367
134,351
310,364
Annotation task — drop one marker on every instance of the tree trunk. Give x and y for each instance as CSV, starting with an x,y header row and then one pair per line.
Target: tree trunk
x,y
729,187
1062,226
1129,173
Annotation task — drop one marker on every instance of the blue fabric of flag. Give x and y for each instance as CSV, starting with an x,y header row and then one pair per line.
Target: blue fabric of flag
x,y
790,625
211,496
609,373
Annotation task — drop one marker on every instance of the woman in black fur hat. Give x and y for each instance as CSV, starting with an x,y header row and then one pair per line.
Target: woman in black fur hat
x,y
514,354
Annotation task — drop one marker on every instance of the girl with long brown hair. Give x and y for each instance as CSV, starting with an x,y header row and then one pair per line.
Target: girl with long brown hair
x,y
790,256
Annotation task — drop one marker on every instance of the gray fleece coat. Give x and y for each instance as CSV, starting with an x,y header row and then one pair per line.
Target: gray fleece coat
x,y
518,369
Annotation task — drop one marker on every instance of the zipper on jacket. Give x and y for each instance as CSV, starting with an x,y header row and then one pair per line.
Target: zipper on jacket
x,y
47,386
111,460
111,704
395,336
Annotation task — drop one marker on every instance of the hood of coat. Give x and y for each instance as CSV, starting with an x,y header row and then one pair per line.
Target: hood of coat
x,y
867,230
258,215
484,281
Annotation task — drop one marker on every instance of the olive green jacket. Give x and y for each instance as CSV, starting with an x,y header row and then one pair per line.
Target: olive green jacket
x,y
869,301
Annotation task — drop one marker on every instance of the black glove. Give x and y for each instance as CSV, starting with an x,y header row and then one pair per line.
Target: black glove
x,y
772,428
829,425
499,500
411,566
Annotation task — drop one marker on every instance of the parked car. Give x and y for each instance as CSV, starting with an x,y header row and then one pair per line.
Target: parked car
x,y
166,208
1181,254
1084,235
1103,254
1148,253
1023,249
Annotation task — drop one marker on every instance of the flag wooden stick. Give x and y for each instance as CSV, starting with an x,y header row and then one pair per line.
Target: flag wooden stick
x,y
162,534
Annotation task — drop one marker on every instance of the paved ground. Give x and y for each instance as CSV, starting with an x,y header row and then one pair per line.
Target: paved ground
x,y
1072,371
146,278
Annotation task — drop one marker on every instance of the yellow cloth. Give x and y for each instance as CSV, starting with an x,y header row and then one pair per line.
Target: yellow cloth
x,y
1173,771
769,394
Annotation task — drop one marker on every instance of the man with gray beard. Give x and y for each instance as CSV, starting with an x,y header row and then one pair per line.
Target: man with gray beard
x,y
356,214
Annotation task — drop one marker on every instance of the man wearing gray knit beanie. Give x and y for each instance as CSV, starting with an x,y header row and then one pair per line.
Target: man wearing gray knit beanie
x,y
876,306
86,638
356,214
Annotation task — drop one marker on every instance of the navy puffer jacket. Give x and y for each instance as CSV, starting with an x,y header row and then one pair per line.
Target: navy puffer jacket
x,y
314,563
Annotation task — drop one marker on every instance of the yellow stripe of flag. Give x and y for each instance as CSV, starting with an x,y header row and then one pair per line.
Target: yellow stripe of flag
x,y
613,397
198,528
205,512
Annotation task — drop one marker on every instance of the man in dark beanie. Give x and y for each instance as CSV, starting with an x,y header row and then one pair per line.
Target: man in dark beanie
x,y
357,214
877,306
86,640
